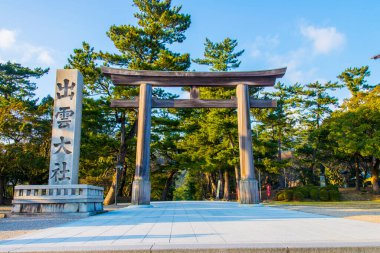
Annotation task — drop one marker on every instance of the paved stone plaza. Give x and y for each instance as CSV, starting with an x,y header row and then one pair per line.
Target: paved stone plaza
x,y
201,225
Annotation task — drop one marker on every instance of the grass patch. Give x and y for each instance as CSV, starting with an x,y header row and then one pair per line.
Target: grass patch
x,y
354,204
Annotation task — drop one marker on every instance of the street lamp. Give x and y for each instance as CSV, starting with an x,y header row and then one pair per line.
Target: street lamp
x,y
118,168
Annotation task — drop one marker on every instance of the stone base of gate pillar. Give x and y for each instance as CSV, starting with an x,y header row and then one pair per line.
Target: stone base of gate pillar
x,y
140,192
249,193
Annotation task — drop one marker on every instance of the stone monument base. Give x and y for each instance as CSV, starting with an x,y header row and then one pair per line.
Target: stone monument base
x,y
54,199
249,192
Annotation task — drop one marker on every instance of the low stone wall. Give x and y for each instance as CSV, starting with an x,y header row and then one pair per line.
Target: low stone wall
x,y
78,198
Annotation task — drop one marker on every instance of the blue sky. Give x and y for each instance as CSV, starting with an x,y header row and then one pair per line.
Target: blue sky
x,y
316,40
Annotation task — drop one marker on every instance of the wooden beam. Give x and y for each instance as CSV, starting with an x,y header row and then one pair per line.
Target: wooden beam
x,y
123,77
194,103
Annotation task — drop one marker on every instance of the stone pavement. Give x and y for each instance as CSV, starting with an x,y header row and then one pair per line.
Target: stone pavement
x,y
202,227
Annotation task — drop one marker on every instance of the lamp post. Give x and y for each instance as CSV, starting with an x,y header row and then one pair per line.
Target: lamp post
x,y
117,168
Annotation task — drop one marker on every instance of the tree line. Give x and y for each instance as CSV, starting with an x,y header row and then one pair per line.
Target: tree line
x,y
309,134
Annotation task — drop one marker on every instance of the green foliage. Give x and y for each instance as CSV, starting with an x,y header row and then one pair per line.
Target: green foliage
x,y
305,191
314,194
324,194
145,46
25,127
288,195
355,129
334,195
15,81
220,56
354,79
280,196
298,196
189,190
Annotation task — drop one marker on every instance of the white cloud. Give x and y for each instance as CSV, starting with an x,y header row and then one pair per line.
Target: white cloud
x,y
7,38
13,49
45,58
300,61
34,53
262,44
325,39
295,63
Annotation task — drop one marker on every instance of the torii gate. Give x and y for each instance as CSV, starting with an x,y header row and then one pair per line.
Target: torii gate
x,y
248,189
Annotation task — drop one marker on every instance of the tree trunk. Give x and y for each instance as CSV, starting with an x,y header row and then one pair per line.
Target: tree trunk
x,y
2,190
168,183
237,179
236,167
213,184
226,191
123,181
110,197
357,173
375,175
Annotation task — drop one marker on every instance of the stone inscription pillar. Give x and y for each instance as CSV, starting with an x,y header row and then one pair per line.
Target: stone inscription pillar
x,y
248,188
141,184
67,117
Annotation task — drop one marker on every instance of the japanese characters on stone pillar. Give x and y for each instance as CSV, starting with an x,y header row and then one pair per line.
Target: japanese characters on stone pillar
x,y
67,117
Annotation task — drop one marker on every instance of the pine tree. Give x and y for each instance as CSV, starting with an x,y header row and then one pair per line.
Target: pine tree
x,y
140,47
24,126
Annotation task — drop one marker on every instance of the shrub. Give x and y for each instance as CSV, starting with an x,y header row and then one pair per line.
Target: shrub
x,y
298,196
288,195
314,194
305,191
334,195
324,194
280,195
332,188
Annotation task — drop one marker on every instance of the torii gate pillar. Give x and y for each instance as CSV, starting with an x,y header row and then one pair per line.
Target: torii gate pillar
x,y
141,184
248,189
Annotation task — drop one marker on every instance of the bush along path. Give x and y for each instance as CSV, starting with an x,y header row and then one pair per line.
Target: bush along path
x,y
309,192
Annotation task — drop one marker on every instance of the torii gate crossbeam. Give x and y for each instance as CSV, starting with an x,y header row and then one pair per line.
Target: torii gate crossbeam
x,y
248,187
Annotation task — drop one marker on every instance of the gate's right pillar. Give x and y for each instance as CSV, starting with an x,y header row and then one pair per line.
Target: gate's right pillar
x,y
248,183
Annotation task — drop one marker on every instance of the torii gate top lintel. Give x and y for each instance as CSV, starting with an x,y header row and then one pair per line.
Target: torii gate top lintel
x,y
124,77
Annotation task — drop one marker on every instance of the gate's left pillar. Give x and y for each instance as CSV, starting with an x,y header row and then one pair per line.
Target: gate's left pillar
x,y
141,183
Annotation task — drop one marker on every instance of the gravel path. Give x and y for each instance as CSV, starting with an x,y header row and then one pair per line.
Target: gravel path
x,y
19,225
15,226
